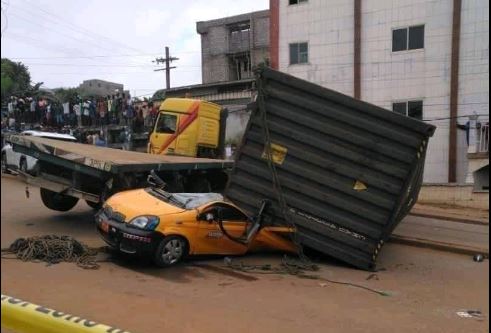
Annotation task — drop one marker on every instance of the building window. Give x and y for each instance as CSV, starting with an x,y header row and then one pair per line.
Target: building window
x,y
295,2
410,38
99,85
413,109
299,53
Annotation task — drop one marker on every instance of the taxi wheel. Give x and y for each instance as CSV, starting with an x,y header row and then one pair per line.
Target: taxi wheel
x,y
170,251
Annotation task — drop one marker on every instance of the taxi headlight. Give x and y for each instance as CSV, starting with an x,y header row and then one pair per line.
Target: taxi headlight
x,y
146,222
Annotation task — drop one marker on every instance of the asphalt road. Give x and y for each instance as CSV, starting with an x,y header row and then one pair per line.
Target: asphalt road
x,y
426,287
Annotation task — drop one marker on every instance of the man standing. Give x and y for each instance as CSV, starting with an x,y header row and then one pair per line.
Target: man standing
x,y
78,113
66,112
86,113
32,113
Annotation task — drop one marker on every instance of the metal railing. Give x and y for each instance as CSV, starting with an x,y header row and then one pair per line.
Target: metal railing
x,y
483,144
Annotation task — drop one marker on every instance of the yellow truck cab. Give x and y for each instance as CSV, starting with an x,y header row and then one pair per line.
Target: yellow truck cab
x,y
188,127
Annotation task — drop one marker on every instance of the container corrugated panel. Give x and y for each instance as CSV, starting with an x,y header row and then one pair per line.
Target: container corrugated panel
x,y
346,171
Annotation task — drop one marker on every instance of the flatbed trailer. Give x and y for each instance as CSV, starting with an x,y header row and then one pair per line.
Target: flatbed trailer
x,y
68,171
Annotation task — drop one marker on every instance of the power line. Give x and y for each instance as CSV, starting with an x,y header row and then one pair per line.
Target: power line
x,y
448,118
82,30
94,65
89,56
59,32
95,41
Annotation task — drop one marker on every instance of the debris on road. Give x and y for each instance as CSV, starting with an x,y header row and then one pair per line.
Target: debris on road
x,y
478,258
470,314
288,266
296,267
372,276
53,249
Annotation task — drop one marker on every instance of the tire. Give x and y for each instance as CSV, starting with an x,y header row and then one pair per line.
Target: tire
x,y
23,165
171,250
57,201
94,205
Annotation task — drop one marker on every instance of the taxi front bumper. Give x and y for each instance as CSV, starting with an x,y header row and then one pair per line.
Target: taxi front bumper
x,y
120,236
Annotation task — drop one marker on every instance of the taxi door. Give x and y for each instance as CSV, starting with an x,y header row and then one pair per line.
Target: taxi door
x,y
211,239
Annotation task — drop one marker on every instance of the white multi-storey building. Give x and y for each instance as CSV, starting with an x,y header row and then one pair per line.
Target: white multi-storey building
x,y
408,56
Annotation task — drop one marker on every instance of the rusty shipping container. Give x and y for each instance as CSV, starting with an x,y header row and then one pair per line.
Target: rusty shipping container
x,y
343,171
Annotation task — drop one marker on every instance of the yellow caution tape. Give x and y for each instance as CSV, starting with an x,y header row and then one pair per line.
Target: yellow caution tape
x,y
24,317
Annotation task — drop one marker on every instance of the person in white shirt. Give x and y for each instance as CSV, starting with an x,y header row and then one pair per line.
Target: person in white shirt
x,y
86,114
78,113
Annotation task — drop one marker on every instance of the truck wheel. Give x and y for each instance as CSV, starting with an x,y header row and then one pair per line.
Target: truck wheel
x,y
94,205
170,251
57,201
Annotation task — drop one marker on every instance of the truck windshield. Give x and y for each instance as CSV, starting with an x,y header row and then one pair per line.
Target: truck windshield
x,y
166,123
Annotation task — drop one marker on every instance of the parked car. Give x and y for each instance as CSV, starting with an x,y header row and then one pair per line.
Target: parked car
x,y
169,226
12,160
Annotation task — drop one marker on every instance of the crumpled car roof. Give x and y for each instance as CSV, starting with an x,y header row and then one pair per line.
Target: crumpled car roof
x,y
194,200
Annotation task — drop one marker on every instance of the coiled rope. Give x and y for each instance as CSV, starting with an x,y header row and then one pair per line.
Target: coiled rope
x,y
53,249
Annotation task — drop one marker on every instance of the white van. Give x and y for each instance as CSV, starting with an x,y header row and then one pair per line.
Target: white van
x,y
17,161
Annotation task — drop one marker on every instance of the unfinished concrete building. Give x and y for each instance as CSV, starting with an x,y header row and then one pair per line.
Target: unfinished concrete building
x,y
232,46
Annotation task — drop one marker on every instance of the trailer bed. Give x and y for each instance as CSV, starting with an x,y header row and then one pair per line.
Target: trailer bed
x,y
108,159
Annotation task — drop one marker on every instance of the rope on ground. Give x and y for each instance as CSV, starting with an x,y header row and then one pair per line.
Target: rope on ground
x,y
296,267
53,249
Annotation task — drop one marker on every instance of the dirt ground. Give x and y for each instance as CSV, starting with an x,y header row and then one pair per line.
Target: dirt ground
x,y
426,287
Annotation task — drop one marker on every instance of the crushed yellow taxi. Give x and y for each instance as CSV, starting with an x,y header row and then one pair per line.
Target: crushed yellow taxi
x,y
172,226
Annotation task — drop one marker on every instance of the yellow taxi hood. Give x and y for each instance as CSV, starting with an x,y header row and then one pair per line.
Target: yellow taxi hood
x,y
138,202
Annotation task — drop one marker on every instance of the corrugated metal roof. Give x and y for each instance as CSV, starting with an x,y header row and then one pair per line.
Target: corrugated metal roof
x,y
348,171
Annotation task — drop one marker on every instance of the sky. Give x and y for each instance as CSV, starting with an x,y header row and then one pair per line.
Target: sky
x,y
64,42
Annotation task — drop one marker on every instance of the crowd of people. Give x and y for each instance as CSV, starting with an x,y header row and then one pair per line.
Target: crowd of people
x,y
78,112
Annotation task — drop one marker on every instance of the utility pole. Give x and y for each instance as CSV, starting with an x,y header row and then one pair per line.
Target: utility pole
x,y
167,60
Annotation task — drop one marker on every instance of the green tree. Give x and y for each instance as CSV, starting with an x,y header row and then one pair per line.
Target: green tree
x,y
66,94
15,78
159,95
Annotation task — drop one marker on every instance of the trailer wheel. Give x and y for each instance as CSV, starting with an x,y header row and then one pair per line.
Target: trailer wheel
x,y
57,201
170,251
94,205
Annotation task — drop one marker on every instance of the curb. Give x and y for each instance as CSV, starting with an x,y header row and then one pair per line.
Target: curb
x,y
450,218
441,246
